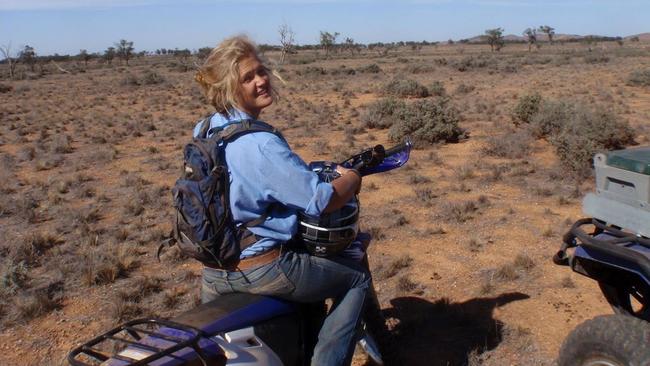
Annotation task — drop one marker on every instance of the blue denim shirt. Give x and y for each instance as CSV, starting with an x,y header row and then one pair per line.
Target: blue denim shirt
x,y
266,175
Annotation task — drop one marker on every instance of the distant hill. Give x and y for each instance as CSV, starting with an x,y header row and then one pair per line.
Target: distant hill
x,y
642,36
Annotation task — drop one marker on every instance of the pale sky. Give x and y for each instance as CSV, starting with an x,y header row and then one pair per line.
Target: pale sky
x,y
66,26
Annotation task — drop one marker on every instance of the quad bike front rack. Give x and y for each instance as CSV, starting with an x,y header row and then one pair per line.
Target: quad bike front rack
x,y
142,341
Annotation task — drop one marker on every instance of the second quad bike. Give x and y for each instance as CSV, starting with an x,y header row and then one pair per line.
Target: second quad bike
x,y
612,247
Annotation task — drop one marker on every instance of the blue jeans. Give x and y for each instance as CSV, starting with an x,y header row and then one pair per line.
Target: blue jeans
x,y
301,277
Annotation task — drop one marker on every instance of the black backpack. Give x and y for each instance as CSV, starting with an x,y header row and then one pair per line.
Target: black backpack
x,y
204,228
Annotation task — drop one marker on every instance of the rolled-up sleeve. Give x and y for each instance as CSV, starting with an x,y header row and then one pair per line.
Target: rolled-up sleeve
x,y
288,180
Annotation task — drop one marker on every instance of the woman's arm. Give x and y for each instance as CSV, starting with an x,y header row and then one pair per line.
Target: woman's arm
x,y
345,187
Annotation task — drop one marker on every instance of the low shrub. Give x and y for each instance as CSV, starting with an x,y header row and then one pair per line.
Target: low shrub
x,y
639,78
130,80
13,276
383,113
35,303
99,266
463,88
586,133
370,69
550,118
419,69
152,78
526,108
479,62
427,122
405,88
437,88
596,58
311,71
511,145
4,88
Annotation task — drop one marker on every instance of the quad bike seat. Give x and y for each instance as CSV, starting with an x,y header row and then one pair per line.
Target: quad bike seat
x,y
233,311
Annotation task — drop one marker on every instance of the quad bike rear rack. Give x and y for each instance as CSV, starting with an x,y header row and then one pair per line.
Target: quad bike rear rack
x,y
616,245
142,341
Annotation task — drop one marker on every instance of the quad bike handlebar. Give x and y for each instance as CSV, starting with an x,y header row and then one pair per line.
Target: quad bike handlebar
x,y
379,159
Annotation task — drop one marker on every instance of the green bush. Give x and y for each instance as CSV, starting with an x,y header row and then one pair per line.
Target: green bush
x,y
587,132
130,80
512,145
437,88
596,58
550,118
370,69
427,122
526,108
4,88
463,88
405,88
383,113
152,78
639,78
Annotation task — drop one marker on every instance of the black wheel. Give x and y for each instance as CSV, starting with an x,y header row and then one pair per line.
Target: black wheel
x,y
607,340
628,300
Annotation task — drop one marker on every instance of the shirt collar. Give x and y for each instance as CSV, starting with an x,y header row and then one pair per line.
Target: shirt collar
x,y
235,114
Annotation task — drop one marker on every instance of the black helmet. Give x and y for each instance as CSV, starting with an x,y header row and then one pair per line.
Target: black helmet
x,y
332,232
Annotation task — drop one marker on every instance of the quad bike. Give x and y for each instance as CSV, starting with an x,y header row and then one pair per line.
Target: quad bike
x,y
615,252
243,329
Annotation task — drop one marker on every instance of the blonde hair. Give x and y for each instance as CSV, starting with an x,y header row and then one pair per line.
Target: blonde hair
x,y
219,74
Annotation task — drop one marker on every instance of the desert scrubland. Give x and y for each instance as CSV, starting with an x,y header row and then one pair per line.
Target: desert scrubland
x,y
463,235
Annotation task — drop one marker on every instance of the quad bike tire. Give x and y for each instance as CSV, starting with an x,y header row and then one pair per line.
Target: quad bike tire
x,y
607,340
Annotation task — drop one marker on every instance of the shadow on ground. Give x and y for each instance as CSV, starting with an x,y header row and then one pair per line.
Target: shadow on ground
x,y
444,333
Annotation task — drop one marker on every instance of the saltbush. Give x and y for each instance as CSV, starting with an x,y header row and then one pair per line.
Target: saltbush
x,y
549,118
405,88
4,88
370,69
587,132
427,122
152,78
639,78
511,145
383,113
596,58
526,108
437,88
130,80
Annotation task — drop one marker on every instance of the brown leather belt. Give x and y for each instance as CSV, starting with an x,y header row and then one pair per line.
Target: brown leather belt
x,y
251,262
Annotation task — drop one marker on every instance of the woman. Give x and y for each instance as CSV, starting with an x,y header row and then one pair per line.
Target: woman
x,y
267,178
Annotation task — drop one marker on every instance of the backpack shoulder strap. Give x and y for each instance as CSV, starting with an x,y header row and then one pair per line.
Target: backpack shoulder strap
x,y
234,130
205,126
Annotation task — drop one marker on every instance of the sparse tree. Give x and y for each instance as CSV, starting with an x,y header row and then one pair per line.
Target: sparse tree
x,y
124,50
109,55
349,45
203,52
495,38
11,62
620,42
84,56
28,57
286,40
549,31
327,41
531,37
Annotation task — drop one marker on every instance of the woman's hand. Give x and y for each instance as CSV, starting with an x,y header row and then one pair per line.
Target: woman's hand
x,y
345,187
342,171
